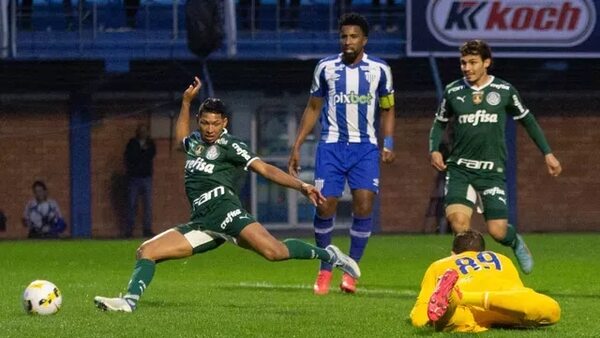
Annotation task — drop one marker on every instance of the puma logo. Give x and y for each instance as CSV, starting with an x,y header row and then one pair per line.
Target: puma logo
x,y
461,98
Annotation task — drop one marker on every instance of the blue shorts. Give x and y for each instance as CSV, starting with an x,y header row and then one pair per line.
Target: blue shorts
x,y
336,163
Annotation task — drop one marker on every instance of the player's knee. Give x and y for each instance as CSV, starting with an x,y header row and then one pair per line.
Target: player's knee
x,y
497,234
326,211
460,223
362,210
144,251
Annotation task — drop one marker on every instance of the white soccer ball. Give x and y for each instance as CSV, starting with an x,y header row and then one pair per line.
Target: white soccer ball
x,y
42,297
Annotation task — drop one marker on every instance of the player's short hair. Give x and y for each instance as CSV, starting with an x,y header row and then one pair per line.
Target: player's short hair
x,y
212,105
476,47
470,240
354,19
40,184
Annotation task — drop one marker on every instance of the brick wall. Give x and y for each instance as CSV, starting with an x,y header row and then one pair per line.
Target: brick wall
x,y
34,145
109,138
566,203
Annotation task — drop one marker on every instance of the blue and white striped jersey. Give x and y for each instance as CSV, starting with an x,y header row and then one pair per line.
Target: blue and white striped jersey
x,y
351,97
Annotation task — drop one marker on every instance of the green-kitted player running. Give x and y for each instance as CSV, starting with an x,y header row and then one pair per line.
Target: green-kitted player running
x,y
214,158
477,106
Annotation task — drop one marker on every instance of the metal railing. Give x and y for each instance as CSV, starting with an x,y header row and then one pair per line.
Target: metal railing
x,y
157,28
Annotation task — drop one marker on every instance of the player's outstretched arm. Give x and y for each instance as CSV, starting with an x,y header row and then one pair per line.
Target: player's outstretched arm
x,y
182,128
309,119
274,174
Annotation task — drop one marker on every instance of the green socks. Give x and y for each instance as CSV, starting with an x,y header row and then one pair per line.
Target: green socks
x,y
302,250
140,279
510,238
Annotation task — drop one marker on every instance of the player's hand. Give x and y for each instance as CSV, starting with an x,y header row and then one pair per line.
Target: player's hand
x,y
294,163
554,167
192,91
387,156
437,161
312,193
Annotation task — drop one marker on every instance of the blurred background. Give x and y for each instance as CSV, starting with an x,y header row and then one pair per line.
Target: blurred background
x,y
78,78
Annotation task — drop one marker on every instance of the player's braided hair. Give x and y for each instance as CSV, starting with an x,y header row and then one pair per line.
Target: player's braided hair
x,y
476,47
469,240
354,19
213,105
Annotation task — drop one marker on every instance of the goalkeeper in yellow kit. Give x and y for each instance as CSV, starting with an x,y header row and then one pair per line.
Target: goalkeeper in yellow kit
x,y
474,289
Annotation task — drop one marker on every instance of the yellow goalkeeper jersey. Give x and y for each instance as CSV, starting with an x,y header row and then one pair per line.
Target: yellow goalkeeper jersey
x,y
478,271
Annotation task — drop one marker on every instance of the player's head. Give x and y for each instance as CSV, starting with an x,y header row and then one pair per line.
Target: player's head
x,y
212,119
469,240
39,190
475,59
354,33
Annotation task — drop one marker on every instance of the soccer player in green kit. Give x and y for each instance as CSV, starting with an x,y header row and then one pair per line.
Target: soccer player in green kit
x,y
214,158
477,106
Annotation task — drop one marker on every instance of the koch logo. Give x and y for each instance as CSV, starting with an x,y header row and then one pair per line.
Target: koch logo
x,y
512,22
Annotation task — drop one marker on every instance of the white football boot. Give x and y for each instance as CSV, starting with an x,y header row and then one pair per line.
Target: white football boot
x,y
117,304
343,261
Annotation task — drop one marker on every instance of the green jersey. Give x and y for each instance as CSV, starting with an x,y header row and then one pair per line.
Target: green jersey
x,y
212,169
478,117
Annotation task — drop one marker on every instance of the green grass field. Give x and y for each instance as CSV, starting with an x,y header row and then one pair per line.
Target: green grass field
x,y
230,292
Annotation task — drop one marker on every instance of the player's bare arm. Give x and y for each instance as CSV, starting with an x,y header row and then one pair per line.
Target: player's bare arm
x,y
309,119
388,121
182,128
553,165
278,176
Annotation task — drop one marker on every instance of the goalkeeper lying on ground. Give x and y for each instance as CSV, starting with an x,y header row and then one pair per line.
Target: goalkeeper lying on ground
x,y
473,290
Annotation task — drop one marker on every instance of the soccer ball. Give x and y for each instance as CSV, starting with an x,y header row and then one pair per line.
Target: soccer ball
x,y
42,297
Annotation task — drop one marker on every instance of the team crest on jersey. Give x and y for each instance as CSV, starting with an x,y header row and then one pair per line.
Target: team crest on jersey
x,y
370,77
477,97
492,98
198,149
212,153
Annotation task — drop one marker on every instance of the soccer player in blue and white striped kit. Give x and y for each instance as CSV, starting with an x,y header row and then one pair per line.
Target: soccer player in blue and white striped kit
x,y
351,94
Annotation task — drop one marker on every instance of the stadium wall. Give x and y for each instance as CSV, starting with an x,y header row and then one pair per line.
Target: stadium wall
x,y
34,139
35,146
34,135
566,203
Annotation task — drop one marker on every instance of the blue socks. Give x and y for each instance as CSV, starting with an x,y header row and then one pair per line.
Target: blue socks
x,y
360,231
323,229
359,236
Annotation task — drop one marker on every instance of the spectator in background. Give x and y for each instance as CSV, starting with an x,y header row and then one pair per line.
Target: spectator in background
x,y
139,158
42,215
289,16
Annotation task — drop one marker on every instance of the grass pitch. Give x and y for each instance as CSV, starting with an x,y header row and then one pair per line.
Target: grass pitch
x,y
230,292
